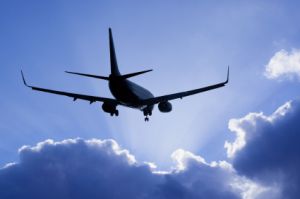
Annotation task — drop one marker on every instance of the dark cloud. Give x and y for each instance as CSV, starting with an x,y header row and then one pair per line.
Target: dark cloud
x,y
76,169
267,148
101,169
265,164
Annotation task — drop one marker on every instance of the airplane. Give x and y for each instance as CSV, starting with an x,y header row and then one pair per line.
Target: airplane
x,y
125,92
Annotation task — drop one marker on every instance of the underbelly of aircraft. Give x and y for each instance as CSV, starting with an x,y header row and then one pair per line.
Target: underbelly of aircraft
x,y
129,94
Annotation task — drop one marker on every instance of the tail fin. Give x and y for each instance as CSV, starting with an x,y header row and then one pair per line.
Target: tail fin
x,y
113,59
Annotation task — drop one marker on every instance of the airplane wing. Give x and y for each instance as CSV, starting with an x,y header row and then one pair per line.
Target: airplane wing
x,y
155,100
75,96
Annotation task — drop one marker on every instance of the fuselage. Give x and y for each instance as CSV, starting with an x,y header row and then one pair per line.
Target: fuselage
x,y
129,93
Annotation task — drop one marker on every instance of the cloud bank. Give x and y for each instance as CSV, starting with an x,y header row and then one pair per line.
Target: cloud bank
x,y
77,168
264,160
267,149
284,65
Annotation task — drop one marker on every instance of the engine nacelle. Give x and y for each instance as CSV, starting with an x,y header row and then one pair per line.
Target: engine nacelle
x,y
165,107
108,107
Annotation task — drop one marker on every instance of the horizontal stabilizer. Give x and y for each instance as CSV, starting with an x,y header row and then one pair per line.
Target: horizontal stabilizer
x,y
135,74
88,75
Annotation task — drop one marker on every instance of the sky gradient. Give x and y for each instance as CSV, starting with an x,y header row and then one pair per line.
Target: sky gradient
x,y
189,44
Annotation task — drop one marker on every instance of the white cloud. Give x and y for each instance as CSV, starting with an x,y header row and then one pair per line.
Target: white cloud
x,y
181,158
251,190
284,64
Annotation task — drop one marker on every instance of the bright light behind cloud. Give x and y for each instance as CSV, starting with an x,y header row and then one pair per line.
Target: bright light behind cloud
x,y
267,148
187,48
284,64
264,164
250,123
77,168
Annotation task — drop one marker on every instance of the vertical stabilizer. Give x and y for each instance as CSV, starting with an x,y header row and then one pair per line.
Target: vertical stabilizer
x,y
113,59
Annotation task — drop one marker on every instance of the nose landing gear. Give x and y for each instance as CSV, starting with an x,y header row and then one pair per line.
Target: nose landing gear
x,y
146,113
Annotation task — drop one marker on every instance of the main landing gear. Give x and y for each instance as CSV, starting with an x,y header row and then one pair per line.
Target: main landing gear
x,y
116,112
146,113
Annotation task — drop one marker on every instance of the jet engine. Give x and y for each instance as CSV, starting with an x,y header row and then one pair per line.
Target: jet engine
x,y
110,108
165,107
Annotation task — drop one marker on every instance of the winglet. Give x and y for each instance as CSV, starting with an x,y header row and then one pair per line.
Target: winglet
x,y
24,81
227,80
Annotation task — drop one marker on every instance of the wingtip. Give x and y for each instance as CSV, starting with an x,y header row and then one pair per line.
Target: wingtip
x,y
23,78
227,80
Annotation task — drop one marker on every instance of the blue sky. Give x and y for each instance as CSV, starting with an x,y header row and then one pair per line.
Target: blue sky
x,y
188,44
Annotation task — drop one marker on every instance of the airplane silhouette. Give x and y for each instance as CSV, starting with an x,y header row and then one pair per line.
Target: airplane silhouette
x,y
127,93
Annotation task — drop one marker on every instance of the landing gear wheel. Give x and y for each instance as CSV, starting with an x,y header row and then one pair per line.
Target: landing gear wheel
x,y
146,119
111,114
117,113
